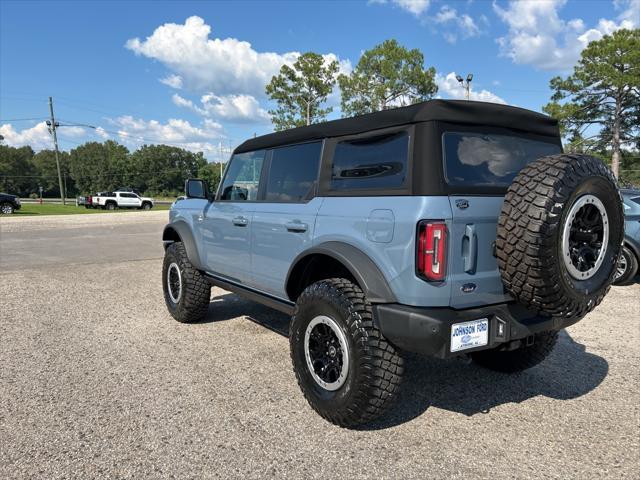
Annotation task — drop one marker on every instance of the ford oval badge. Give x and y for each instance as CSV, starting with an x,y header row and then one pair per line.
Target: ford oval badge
x,y
462,203
468,287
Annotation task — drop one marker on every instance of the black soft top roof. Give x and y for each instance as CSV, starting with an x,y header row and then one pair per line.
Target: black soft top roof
x,y
451,111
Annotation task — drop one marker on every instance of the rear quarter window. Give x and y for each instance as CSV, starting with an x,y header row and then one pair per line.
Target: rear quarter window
x,y
378,162
473,158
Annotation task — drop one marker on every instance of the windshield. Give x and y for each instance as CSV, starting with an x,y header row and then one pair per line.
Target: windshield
x,y
473,158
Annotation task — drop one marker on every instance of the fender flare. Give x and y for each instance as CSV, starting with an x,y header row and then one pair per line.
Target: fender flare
x,y
364,270
182,230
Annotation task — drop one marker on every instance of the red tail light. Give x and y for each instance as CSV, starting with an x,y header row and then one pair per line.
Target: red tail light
x,y
431,247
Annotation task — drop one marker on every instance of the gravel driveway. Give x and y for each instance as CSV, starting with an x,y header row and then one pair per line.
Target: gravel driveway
x,y
97,381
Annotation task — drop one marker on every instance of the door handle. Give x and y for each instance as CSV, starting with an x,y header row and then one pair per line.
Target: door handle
x,y
470,248
297,226
240,221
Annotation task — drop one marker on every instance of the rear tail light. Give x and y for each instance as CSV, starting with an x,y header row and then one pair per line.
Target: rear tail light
x,y
431,255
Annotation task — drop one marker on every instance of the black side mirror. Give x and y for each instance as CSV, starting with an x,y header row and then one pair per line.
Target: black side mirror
x,y
196,188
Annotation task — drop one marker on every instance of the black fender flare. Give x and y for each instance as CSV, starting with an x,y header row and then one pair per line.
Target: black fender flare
x,y
182,231
364,270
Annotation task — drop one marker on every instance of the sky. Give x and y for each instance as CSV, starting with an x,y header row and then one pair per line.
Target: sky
x,y
192,73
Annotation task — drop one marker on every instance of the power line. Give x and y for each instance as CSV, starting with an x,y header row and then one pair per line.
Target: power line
x,y
21,119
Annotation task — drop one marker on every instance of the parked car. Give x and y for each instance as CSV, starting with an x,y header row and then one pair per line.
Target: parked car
x,y
446,228
118,199
630,255
9,203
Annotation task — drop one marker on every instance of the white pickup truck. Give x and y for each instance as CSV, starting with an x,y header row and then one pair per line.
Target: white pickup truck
x,y
113,200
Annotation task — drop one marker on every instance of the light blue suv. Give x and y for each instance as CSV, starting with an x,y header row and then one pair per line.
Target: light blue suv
x,y
447,228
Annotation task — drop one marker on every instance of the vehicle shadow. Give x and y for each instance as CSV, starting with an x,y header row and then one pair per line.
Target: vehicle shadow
x,y
455,385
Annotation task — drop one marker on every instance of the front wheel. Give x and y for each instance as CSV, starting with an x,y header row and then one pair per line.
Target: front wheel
x,y
520,359
146,206
6,208
627,267
346,369
186,291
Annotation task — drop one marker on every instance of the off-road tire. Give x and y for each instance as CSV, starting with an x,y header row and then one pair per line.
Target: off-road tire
x,y
375,366
193,303
632,268
514,361
6,208
530,228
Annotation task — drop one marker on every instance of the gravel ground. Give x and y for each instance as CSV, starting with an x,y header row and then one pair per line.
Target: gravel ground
x,y
97,381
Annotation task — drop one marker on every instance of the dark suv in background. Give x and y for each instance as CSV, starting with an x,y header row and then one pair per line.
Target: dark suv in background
x,y
9,203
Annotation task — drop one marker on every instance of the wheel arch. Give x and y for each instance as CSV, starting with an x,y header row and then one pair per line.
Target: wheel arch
x,y
180,232
354,263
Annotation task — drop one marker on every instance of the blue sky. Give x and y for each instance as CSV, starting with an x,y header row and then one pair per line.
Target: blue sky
x,y
192,74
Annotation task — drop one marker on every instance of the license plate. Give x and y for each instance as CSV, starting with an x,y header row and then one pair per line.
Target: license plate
x,y
469,334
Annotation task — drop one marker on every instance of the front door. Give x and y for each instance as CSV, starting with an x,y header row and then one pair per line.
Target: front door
x,y
227,222
284,220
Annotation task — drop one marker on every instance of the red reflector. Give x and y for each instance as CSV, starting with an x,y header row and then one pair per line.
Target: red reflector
x,y
432,251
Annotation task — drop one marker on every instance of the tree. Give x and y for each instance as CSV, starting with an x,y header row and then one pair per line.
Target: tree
x,y
162,169
386,76
300,91
16,170
98,166
211,173
44,163
603,90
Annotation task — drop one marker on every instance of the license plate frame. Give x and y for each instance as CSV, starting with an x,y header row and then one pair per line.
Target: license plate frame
x,y
469,334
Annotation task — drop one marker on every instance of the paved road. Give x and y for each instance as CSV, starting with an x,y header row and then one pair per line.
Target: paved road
x,y
97,381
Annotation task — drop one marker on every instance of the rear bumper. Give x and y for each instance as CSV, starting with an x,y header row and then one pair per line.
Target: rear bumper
x,y
428,330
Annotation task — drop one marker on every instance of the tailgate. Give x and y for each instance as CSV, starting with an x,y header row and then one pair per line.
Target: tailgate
x,y
473,269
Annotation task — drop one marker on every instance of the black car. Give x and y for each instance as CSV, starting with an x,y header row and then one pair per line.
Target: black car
x,y
9,203
630,255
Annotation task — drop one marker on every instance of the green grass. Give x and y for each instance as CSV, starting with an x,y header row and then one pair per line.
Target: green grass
x,y
30,209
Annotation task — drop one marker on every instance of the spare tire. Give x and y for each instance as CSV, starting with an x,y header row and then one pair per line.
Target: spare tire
x,y
559,235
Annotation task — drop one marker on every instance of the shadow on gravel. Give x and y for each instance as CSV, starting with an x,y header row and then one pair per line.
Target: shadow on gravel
x,y
455,385
466,388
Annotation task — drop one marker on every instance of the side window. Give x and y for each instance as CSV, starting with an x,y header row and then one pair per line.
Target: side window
x,y
241,181
374,162
293,172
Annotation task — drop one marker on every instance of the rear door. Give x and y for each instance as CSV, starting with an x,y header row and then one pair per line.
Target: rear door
x,y
473,160
284,220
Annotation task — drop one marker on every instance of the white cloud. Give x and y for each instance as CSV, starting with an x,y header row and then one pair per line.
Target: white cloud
x,y
232,108
415,7
174,81
464,24
199,63
38,136
451,87
538,36
135,132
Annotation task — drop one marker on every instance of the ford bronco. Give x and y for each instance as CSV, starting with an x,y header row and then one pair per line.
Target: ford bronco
x,y
447,228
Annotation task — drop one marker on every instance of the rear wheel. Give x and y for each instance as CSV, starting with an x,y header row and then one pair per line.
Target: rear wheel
x,y
186,292
520,359
110,206
6,208
627,267
346,369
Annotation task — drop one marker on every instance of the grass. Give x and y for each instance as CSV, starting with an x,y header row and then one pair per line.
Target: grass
x,y
30,209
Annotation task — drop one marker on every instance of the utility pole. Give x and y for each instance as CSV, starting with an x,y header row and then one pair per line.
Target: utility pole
x,y
52,129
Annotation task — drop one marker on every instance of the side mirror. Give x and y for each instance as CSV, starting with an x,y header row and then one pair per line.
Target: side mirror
x,y
196,188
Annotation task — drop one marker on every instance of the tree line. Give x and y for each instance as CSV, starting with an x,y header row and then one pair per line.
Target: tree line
x,y
158,170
